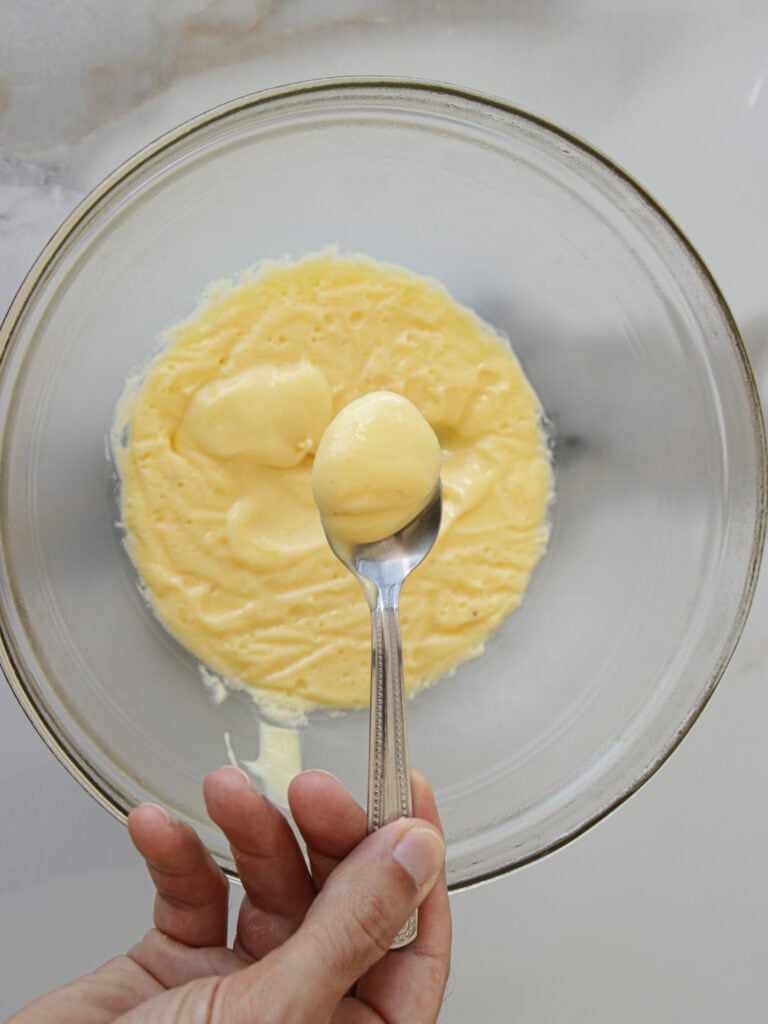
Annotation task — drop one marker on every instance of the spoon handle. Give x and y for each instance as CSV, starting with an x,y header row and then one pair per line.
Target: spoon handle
x,y
389,778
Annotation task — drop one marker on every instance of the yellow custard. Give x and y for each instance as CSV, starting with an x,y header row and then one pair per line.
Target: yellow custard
x,y
376,468
215,448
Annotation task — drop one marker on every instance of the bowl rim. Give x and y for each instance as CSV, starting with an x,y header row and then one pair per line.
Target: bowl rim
x,y
47,728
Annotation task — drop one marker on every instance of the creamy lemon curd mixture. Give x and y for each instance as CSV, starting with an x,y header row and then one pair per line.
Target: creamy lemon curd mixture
x,y
376,468
215,447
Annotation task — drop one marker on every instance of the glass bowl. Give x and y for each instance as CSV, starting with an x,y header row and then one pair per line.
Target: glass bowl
x,y
657,437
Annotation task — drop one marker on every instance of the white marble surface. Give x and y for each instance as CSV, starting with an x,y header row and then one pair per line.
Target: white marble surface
x,y
659,911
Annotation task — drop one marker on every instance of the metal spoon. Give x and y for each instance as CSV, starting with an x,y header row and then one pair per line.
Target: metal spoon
x,y
381,568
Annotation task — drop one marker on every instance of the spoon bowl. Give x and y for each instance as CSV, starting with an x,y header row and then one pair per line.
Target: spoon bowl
x,y
386,563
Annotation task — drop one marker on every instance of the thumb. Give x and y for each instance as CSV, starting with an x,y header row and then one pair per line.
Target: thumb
x,y
353,921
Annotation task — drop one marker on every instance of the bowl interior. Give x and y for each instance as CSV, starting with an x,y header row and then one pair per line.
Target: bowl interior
x,y
656,432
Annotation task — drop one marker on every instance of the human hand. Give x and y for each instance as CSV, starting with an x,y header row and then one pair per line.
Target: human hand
x,y
312,946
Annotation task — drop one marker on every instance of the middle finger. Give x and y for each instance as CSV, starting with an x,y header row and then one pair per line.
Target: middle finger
x,y
329,819
277,885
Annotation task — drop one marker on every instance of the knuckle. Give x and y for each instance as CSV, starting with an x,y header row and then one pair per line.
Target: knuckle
x,y
197,1002
371,919
359,935
435,962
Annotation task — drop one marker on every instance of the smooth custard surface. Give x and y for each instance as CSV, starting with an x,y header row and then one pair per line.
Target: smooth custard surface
x,y
215,447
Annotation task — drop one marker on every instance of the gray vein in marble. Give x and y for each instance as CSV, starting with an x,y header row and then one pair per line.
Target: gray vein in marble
x,y
35,197
26,185
109,57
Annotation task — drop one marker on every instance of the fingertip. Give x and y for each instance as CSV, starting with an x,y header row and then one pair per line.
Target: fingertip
x,y
424,805
421,788
420,850
229,776
224,785
313,782
327,815
146,825
148,819
315,794
148,813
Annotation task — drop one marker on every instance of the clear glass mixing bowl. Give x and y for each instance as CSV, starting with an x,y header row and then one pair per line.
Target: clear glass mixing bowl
x,y
658,445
